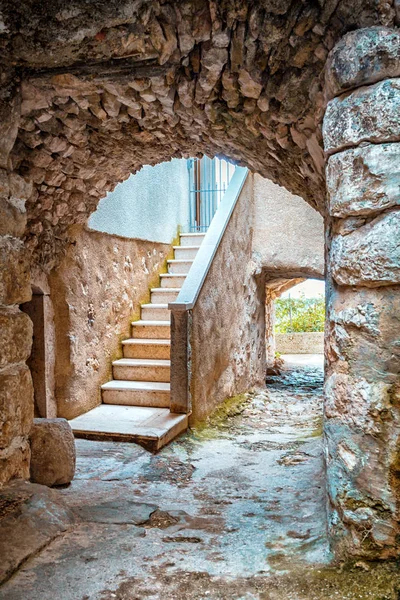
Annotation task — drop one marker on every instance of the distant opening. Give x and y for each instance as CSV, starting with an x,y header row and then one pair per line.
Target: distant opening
x,y
295,312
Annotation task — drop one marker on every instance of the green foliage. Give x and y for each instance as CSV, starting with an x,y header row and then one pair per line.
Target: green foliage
x,y
300,314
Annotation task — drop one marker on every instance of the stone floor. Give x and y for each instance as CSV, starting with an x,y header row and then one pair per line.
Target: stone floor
x,y
235,509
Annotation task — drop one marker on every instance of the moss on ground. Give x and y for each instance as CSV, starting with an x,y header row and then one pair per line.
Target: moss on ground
x,y
219,420
365,582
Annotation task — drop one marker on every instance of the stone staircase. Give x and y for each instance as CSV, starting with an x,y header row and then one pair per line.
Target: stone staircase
x,y
141,379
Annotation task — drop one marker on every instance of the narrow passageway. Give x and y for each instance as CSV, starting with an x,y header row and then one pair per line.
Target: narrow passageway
x,y
225,511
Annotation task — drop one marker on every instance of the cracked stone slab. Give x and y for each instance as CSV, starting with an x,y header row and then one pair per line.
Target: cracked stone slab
x,y
31,516
363,180
116,511
369,256
370,114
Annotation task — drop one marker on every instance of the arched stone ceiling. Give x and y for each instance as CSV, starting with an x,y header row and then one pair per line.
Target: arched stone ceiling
x,y
103,87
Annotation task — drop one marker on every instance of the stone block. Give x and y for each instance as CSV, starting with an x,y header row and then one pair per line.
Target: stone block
x,y
362,490
53,452
363,57
16,404
16,331
14,462
358,403
12,206
369,114
15,285
369,256
9,122
12,217
363,180
20,188
363,332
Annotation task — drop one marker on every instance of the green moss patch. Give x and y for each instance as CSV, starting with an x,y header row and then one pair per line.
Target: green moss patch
x,y
221,418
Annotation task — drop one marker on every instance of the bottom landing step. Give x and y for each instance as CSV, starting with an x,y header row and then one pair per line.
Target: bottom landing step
x,y
152,428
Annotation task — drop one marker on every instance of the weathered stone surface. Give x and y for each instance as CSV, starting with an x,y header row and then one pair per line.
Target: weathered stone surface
x,y
42,358
16,404
363,57
370,256
15,336
362,419
96,292
364,180
32,515
14,460
362,394
362,487
370,114
13,192
190,78
363,332
278,218
14,271
53,454
227,337
9,123
359,404
121,510
306,342
13,217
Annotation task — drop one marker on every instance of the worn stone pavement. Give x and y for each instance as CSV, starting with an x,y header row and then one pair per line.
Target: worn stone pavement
x,y
234,509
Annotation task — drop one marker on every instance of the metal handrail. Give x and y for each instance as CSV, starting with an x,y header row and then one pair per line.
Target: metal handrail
x,y
193,283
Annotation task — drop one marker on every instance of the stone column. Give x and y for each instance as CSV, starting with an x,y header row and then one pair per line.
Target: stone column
x,y
16,390
361,133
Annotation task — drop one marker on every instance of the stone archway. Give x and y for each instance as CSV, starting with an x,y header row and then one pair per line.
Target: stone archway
x,y
83,106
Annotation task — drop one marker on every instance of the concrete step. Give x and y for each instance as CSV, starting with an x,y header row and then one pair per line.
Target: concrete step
x,y
136,393
191,239
168,280
152,428
185,252
164,295
147,348
155,312
142,369
160,330
179,266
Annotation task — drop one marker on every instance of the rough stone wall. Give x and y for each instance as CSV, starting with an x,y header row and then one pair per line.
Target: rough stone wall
x,y
307,342
228,321
16,390
288,238
96,90
362,387
232,336
93,90
96,293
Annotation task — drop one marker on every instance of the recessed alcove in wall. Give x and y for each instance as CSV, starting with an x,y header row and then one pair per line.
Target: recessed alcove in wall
x,y
41,359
